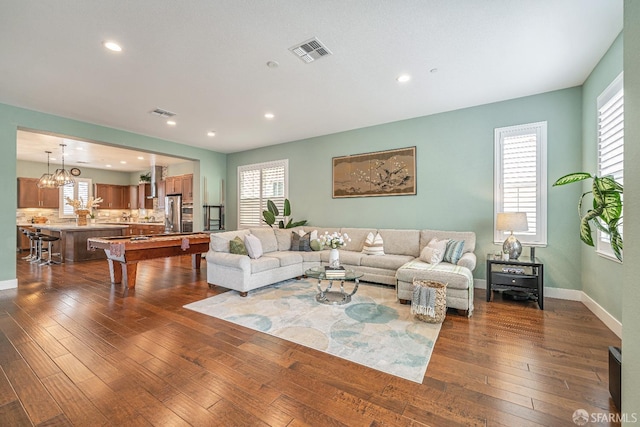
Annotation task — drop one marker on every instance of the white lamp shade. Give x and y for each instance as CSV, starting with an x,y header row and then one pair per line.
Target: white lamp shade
x,y
512,221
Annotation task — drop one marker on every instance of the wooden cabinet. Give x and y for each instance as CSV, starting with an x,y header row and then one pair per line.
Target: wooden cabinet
x,y
144,191
144,229
112,196
133,197
161,193
30,196
180,184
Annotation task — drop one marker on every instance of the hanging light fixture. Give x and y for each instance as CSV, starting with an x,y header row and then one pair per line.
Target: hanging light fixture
x,y
46,180
62,177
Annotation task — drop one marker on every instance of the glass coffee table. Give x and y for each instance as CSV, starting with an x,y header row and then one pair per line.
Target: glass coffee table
x,y
327,296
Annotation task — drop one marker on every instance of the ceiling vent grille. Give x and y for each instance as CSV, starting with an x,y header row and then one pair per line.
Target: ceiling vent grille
x,y
162,113
310,50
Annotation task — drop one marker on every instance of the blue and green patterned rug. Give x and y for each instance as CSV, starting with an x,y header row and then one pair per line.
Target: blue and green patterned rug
x,y
373,330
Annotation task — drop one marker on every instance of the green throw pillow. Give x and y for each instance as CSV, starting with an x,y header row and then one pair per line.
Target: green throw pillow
x,y
236,246
315,245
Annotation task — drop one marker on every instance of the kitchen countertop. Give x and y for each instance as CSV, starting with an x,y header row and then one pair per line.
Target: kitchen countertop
x,y
74,227
133,223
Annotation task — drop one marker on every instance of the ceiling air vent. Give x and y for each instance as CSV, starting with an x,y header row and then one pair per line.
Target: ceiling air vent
x,y
310,50
162,113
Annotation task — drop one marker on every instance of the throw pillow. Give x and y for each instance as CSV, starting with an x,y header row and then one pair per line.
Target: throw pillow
x,y
315,245
373,245
454,251
431,255
300,243
253,245
236,246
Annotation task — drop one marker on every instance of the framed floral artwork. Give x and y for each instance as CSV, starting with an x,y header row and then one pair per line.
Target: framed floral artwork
x,y
381,173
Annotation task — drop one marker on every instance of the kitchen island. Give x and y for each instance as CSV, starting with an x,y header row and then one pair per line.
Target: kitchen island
x,y
73,239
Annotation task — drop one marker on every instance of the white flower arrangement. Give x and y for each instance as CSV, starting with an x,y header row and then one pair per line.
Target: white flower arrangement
x,y
334,240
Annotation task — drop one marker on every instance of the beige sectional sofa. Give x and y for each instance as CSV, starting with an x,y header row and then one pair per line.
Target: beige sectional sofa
x,y
399,265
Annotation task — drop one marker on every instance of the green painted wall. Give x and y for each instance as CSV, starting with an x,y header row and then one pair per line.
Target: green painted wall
x,y
631,291
454,174
210,168
597,270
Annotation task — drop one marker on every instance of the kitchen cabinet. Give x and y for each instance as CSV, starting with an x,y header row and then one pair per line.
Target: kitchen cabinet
x,y
180,184
112,196
30,196
133,197
144,229
161,193
144,191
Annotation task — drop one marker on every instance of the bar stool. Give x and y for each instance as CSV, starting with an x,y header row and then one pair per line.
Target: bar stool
x,y
34,238
49,240
25,231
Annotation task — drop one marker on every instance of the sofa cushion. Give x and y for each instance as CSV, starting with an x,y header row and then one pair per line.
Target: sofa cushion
x,y
454,251
264,263
286,257
357,236
253,245
373,245
267,238
401,242
283,237
219,242
237,247
300,243
346,257
469,238
389,261
454,276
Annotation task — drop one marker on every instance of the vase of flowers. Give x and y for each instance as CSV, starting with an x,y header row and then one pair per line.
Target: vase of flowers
x,y
83,210
334,241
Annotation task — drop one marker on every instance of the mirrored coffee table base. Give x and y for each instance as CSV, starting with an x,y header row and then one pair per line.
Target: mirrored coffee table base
x,y
334,297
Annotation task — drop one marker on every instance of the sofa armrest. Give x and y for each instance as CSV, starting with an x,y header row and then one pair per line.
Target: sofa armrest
x,y
468,260
241,262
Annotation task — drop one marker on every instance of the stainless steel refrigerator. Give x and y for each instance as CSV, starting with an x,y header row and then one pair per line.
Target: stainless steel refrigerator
x,y
173,213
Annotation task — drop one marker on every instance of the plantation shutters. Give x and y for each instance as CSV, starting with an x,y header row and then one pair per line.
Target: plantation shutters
x,y
81,190
520,179
257,184
610,145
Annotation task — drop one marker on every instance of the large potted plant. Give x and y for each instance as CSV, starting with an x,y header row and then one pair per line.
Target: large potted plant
x,y
606,213
272,212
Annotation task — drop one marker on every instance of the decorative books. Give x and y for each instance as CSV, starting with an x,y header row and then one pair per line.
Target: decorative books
x,y
332,273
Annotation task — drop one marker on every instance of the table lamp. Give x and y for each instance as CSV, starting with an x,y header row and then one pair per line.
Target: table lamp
x,y
512,221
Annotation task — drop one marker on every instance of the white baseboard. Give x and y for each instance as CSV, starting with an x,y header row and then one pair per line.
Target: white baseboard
x,y
8,284
574,295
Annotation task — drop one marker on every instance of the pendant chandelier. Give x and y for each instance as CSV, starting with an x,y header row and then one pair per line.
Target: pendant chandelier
x,y
62,177
46,180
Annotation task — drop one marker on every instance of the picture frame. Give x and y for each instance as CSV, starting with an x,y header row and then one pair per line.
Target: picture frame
x,y
375,174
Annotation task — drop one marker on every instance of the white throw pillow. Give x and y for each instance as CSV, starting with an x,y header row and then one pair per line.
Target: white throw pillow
x,y
314,235
253,245
373,245
434,251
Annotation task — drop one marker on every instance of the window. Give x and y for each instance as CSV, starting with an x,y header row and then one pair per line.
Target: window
x,y
610,146
80,190
520,180
258,183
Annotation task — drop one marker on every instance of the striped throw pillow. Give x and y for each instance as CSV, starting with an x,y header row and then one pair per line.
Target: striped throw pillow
x,y
454,251
373,245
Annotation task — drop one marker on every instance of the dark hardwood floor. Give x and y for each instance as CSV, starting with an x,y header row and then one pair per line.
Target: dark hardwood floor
x,y
75,350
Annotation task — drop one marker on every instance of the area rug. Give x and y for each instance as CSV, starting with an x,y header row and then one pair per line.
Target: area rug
x,y
373,330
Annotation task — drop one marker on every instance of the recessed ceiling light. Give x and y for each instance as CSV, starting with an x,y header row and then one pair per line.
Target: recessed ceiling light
x,y
211,133
273,64
433,70
171,122
123,162
108,166
404,78
269,115
79,148
140,158
113,46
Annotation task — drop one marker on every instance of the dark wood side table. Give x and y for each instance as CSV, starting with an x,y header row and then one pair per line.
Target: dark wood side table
x,y
523,274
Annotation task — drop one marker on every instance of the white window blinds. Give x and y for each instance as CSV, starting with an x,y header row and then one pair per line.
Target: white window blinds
x,y
257,184
520,178
610,145
80,190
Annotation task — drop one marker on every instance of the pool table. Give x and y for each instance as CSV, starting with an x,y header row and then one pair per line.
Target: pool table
x,y
124,252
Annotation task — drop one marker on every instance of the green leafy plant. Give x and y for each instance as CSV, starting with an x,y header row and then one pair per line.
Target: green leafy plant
x,y
272,213
145,177
606,214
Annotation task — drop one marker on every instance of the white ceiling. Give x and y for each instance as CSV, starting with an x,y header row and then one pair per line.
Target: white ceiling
x,y
206,61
